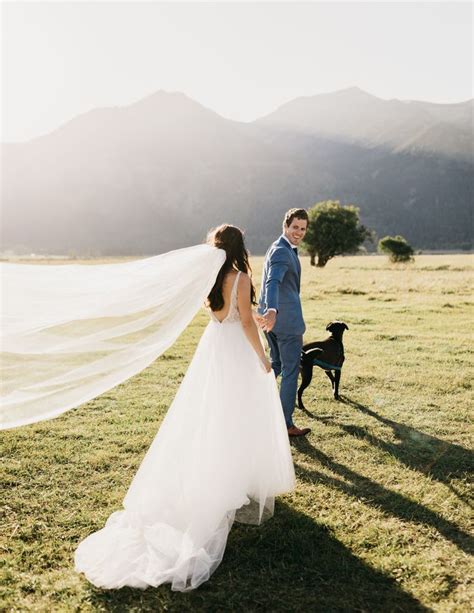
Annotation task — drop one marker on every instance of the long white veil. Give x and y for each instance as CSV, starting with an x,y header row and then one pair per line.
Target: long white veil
x,y
71,332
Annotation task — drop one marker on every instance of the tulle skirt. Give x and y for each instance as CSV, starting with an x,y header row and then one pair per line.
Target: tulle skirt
x,y
221,454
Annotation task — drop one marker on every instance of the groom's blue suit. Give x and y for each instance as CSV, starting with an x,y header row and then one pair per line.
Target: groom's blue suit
x,y
281,291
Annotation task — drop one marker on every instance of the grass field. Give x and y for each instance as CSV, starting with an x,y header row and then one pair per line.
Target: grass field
x,y
379,520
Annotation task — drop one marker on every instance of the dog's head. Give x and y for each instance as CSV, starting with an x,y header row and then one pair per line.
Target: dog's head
x,y
337,328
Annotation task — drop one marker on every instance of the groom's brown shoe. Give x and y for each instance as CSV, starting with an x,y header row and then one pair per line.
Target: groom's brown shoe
x,y
294,431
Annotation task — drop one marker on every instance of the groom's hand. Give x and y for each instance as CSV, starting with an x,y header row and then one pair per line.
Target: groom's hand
x,y
267,320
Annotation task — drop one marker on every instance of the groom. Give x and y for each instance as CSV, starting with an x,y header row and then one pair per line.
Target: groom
x,y
281,316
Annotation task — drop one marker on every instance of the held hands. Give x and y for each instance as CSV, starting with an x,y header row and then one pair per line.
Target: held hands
x,y
266,321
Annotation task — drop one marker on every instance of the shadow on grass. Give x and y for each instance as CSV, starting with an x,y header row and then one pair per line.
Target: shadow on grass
x,y
432,456
291,563
391,503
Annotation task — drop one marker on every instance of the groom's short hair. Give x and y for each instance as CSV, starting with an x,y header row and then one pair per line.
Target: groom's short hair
x,y
294,214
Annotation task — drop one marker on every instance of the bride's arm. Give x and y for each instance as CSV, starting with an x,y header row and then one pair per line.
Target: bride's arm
x,y
247,320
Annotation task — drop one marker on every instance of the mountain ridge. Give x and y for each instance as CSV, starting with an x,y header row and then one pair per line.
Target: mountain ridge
x,y
117,178
162,94
355,116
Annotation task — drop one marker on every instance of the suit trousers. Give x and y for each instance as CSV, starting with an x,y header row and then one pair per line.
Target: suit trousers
x,y
285,355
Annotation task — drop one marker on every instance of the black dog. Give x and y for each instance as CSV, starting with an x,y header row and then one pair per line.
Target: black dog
x,y
328,355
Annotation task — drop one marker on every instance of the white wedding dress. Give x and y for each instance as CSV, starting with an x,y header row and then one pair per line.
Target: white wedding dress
x,y
221,453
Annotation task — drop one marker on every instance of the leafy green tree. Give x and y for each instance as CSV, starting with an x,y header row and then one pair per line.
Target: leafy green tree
x,y
397,248
333,230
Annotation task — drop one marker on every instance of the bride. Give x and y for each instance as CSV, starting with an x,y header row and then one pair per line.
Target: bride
x,y
221,453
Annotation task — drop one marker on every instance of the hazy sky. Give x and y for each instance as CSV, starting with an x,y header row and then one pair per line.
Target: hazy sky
x,y
243,60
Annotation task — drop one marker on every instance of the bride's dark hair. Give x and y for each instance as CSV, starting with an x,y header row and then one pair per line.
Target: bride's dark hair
x,y
231,240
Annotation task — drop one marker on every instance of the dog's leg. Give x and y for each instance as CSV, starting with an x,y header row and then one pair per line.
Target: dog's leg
x,y
306,376
331,378
337,378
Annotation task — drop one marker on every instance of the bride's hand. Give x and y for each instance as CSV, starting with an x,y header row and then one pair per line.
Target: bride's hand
x,y
265,363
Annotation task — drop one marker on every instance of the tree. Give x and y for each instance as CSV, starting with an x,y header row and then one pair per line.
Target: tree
x,y
333,230
397,248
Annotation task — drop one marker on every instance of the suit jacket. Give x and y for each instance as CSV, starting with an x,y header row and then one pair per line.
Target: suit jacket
x,y
281,288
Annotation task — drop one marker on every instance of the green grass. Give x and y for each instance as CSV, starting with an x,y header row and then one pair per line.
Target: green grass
x,y
379,520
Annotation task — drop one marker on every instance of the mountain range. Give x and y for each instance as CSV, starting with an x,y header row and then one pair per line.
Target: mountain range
x,y
155,175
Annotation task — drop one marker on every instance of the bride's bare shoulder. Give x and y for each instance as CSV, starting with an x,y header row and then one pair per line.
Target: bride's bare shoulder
x,y
244,280
230,277
243,286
